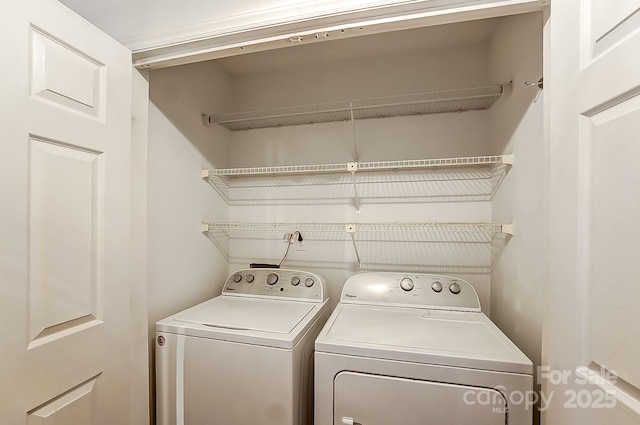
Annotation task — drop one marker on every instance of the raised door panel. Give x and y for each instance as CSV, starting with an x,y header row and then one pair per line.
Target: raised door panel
x,y
74,406
65,202
614,208
66,76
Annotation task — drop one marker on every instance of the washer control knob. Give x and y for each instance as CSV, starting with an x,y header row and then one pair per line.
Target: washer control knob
x,y
454,288
406,284
308,282
250,278
436,286
295,281
272,278
237,277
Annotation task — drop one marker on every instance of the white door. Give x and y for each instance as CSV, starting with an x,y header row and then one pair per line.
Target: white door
x,y
592,346
65,111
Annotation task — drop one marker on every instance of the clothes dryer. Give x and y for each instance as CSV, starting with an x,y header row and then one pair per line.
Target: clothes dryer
x,y
245,356
415,349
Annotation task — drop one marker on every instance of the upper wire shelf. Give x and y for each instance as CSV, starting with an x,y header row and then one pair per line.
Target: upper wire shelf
x,y
456,100
422,180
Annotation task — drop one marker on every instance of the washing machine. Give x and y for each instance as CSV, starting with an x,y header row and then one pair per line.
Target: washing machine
x,y
415,349
244,357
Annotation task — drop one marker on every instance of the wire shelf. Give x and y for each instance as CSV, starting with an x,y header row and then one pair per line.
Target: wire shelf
x,y
422,180
474,98
416,247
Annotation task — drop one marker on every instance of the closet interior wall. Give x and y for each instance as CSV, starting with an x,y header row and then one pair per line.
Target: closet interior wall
x,y
517,125
185,268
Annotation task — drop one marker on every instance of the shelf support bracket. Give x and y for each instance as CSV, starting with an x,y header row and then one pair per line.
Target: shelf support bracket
x,y
353,129
351,230
352,167
204,227
507,229
508,159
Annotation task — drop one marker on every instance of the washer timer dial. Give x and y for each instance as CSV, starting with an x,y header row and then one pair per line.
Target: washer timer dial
x,y
406,284
272,278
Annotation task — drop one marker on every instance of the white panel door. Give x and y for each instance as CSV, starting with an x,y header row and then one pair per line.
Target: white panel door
x,y
592,372
65,143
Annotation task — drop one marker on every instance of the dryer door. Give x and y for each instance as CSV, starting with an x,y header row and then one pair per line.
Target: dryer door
x,y
380,400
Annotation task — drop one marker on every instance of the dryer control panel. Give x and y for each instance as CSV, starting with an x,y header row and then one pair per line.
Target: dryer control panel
x,y
417,290
281,283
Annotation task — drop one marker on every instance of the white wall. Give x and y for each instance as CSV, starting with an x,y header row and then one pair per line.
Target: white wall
x,y
429,136
519,276
139,233
184,266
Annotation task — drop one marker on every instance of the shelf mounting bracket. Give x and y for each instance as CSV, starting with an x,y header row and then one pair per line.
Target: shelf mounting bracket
x,y
351,230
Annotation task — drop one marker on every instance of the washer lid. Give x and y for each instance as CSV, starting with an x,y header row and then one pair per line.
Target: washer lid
x,y
273,316
274,323
451,338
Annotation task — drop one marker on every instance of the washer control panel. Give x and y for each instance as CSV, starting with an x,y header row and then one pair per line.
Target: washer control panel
x,y
282,283
411,290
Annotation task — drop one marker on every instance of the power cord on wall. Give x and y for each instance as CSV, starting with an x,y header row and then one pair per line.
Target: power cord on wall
x,y
291,239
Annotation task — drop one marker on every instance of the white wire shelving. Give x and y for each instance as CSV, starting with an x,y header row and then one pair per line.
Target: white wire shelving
x,y
411,247
456,100
424,180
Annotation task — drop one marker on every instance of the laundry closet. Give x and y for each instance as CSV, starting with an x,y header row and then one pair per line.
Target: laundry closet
x,y
417,150
153,151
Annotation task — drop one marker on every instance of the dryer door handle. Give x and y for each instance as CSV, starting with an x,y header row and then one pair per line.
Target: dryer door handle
x,y
347,420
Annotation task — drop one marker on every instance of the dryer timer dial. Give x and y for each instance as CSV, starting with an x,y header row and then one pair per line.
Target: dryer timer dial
x,y
454,288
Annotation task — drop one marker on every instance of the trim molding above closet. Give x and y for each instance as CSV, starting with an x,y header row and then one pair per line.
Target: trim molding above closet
x,y
284,27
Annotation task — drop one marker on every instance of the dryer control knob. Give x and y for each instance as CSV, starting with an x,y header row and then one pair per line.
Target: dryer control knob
x,y
250,278
436,286
454,288
272,278
295,281
406,284
308,282
237,277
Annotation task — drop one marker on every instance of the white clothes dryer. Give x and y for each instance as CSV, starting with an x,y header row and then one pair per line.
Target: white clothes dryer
x,y
415,349
244,357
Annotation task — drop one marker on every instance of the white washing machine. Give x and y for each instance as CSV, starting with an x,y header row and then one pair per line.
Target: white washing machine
x,y
244,357
415,349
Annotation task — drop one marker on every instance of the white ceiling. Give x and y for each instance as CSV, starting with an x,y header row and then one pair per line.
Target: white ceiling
x,y
127,19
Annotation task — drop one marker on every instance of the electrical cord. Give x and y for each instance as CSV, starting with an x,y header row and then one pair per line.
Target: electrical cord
x,y
293,238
